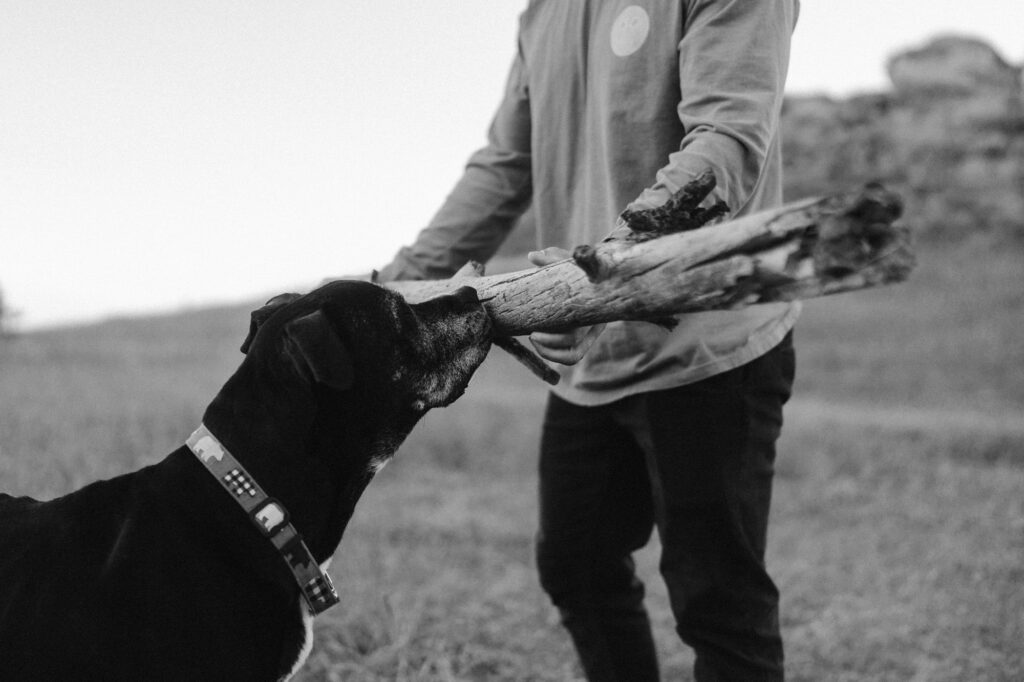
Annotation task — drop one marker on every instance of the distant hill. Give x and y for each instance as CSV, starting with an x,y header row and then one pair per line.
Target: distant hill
x,y
948,135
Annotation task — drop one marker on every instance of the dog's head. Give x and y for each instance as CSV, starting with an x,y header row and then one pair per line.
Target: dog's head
x,y
331,384
356,337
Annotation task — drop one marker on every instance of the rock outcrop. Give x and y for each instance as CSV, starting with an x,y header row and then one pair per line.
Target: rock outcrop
x,y
949,136
952,66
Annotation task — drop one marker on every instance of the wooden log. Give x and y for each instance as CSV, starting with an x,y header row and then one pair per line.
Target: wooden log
x,y
804,249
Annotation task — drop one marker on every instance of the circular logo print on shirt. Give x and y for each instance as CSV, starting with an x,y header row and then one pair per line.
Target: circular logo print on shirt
x,y
630,30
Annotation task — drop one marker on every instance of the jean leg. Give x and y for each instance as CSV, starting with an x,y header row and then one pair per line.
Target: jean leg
x,y
595,511
712,449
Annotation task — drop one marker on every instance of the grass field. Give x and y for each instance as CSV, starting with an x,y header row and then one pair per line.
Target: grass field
x,y
898,525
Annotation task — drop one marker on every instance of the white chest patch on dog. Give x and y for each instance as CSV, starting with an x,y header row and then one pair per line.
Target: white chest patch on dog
x,y
630,30
307,624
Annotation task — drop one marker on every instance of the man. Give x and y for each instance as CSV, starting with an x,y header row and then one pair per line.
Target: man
x,y
612,105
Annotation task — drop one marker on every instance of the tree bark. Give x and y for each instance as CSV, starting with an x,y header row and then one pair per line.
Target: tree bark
x,y
804,249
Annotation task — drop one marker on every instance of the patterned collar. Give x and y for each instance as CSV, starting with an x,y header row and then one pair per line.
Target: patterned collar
x,y
268,515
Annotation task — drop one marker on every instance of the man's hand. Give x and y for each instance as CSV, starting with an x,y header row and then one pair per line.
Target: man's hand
x,y
565,348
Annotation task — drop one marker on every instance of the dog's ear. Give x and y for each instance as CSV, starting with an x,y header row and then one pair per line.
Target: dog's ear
x,y
317,351
258,317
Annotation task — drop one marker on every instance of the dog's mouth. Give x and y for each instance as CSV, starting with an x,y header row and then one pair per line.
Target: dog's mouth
x,y
459,338
457,319
482,330
467,356
476,315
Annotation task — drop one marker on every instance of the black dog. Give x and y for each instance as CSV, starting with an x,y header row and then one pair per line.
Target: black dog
x,y
183,571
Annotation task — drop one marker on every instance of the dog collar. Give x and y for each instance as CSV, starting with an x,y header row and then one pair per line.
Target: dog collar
x,y
268,515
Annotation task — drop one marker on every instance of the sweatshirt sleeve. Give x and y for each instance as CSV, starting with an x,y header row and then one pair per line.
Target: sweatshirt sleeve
x,y
733,59
487,200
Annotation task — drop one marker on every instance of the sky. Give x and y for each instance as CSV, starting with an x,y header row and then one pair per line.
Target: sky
x,y
165,155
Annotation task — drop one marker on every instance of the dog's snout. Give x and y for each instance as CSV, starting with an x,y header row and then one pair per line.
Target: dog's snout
x,y
466,295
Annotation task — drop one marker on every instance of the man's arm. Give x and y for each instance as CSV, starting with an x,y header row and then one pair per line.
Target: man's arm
x,y
733,60
485,203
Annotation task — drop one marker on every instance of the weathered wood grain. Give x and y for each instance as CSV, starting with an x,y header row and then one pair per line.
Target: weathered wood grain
x,y
804,249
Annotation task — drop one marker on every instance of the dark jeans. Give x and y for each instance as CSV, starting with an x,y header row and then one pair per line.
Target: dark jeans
x,y
696,462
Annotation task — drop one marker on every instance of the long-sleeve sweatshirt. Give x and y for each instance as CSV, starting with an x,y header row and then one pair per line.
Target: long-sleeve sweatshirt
x,y
617,104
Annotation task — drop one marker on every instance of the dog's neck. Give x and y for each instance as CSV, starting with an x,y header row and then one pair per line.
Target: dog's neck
x,y
314,456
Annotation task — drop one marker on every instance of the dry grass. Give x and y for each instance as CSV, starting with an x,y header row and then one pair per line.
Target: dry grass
x,y
898,524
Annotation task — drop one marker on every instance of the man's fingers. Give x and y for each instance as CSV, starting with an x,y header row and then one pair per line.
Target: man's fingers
x,y
553,341
591,336
565,348
560,354
586,340
568,348
547,256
